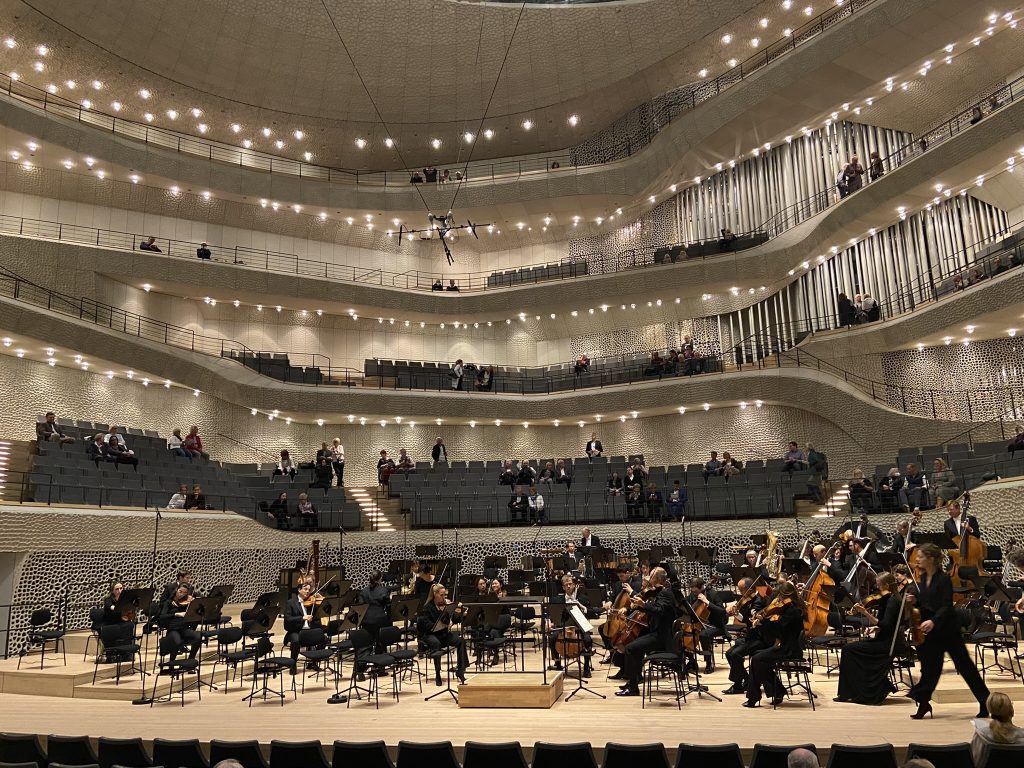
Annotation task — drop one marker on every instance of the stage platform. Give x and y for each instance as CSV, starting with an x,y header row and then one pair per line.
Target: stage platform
x,y
510,690
62,700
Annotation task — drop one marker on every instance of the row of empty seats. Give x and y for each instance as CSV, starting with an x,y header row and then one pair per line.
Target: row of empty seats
x,y
539,274
26,750
277,366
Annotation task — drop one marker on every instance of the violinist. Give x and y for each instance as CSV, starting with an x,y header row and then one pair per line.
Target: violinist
x,y
715,621
298,615
424,580
571,595
748,603
864,665
781,623
942,636
658,604
172,618
184,579
434,641
111,613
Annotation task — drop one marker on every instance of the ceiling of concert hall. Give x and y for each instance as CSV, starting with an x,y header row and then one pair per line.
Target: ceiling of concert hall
x,y
279,76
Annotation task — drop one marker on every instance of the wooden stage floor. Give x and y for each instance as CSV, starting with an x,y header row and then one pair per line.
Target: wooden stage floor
x,y
584,718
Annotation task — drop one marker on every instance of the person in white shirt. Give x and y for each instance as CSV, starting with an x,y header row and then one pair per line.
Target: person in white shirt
x,y
536,502
338,460
115,436
456,374
174,444
177,501
594,447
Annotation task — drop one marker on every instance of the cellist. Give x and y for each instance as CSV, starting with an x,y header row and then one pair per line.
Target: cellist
x,y
659,606
627,582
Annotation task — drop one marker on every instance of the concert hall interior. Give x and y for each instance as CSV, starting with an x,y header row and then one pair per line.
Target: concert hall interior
x,y
674,346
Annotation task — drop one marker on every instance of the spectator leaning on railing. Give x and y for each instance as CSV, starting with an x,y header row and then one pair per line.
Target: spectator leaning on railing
x,y
149,244
203,252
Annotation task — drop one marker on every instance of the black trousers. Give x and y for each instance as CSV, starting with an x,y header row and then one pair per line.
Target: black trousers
x,y
435,642
635,653
187,637
737,655
339,470
707,640
762,675
931,653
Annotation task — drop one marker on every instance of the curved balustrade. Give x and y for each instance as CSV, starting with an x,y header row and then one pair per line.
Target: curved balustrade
x,y
478,172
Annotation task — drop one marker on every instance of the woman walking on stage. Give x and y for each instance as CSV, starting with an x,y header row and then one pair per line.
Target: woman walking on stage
x,y
941,629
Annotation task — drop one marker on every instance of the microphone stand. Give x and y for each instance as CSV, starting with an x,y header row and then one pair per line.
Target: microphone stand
x,y
143,699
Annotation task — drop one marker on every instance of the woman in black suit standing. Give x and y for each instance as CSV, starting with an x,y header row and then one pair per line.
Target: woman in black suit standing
x,y
378,599
941,629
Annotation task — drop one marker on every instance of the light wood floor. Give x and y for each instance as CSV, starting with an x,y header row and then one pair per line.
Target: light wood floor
x,y
585,718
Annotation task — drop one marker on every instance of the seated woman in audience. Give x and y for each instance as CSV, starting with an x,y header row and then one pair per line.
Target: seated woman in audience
x,y
278,510
889,489
656,366
1017,443
96,450
485,378
385,468
861,491
942,485
614,485
729,465
562,474
196,499
194,444
285,466
118,452
999,729
547,475
405,463
507,476
309,518
177,501
175,444
582,365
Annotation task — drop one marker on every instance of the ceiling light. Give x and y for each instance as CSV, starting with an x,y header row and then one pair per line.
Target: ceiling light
x,y
51,88
266,132
236,128
308,156
682,409
38,66
707,406
808,11
360,142
279,144
86,104
145,93
247,143
298,135
727,38
488,134
147,287
731,63
14,76
71,84
468,137
754,42
527,124
1012,332
203,127
389,142
702,73
759,403
574,120
172,114
149,117
9,42
787,4
435,143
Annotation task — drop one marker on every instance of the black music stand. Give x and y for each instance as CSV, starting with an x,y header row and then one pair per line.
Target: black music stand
x,y
699,555
405,610
940,539
696,625
135,601
561,617
426,550
200,611
796,566
439,625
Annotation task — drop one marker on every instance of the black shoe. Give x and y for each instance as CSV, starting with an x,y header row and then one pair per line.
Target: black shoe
x,y
776,700
628,691
361,678
923,708
620,675
841,699
735,689
709,667
437,681
751,703
606,661
556,667
461,676
587,671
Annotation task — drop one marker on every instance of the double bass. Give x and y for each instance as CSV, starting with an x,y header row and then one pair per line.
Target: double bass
x,y
816,598
970,551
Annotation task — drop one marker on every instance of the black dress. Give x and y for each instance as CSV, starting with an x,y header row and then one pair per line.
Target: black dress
x,y
864,665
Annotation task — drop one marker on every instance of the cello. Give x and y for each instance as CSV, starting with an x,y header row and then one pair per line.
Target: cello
x,y
970,551
635,621
816,598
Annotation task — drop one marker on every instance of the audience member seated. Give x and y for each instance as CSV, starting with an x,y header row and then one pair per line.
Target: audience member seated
x,y
656,366
914,492
203,252
582,365
323,474
416,178
712,466
672,363
942,487
536,502
518,506
405,464
635,501
193,443
562,474
593,448
631,478
998,730
278,509
794,459
196,499
860,491
870,311
323,452
309,519
508,473
430,174
677,499
177,501
615,485
149,245
485,378
547,475
439,453
115,447
999,266
385,468
654,501
730,466
727,239
452,287
1017,443
889,488
285,466
527,475
97,449
49,431
438,285
176,445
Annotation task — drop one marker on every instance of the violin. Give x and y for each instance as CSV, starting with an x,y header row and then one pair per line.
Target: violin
x,y
773,611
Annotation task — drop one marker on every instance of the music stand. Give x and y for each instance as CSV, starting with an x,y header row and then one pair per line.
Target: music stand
x,y
891,559
221,590
566,616
796,566
940,539
426,550
135,601
992,588
696,625
496,561
445,625
200,611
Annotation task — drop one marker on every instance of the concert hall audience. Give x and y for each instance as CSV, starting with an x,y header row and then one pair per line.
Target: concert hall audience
x,y
177,501
942,487
712,466
439,452
527,475
338,460
508,473
309,519
203,252
536,502
194,444
405,464
913,492
116,450
654,501
285,466
635,501
562,474
175,444
547,475
677,498
323,474
196,499
861,489
615,485
150,245
999,729
49,431
730,466
278,509
794,459
385,468
802,758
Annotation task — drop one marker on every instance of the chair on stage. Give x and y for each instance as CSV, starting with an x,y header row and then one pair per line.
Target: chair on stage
x,y
994,643
248,753
943,755
230,655
374,667
504,755
665,664
709,756
70,750
775,756
181,754
562,756
798,674
267,666
635,756
95,622
437,755
174,666
390,640
372,754
40,633
129,753
503,642
119,648
30,764
314,650
21,748
854,756
297,754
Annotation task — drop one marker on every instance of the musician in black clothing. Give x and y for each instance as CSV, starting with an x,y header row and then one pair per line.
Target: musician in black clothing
x,y
942,636
588,541
378,599
424,581
784,628
953,527
659,604
864,665
903,538
297,617
111,614
184,579
571,596
172,618
572,557
427,619
752,640
715,622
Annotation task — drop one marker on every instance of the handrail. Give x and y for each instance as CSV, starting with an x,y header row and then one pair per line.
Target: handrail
x,y
253,448
668,107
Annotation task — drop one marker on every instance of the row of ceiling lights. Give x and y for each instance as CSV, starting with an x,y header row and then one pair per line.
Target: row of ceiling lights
x,y
966,341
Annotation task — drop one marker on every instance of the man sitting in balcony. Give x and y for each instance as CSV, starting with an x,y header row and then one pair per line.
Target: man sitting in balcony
x,y
712,466
656,366
536,502
914,492
452,287
632,478
635,501
794,458
203,252
727,239
518,505
95,450
654,501
527,475
323,473
48,431
677,498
